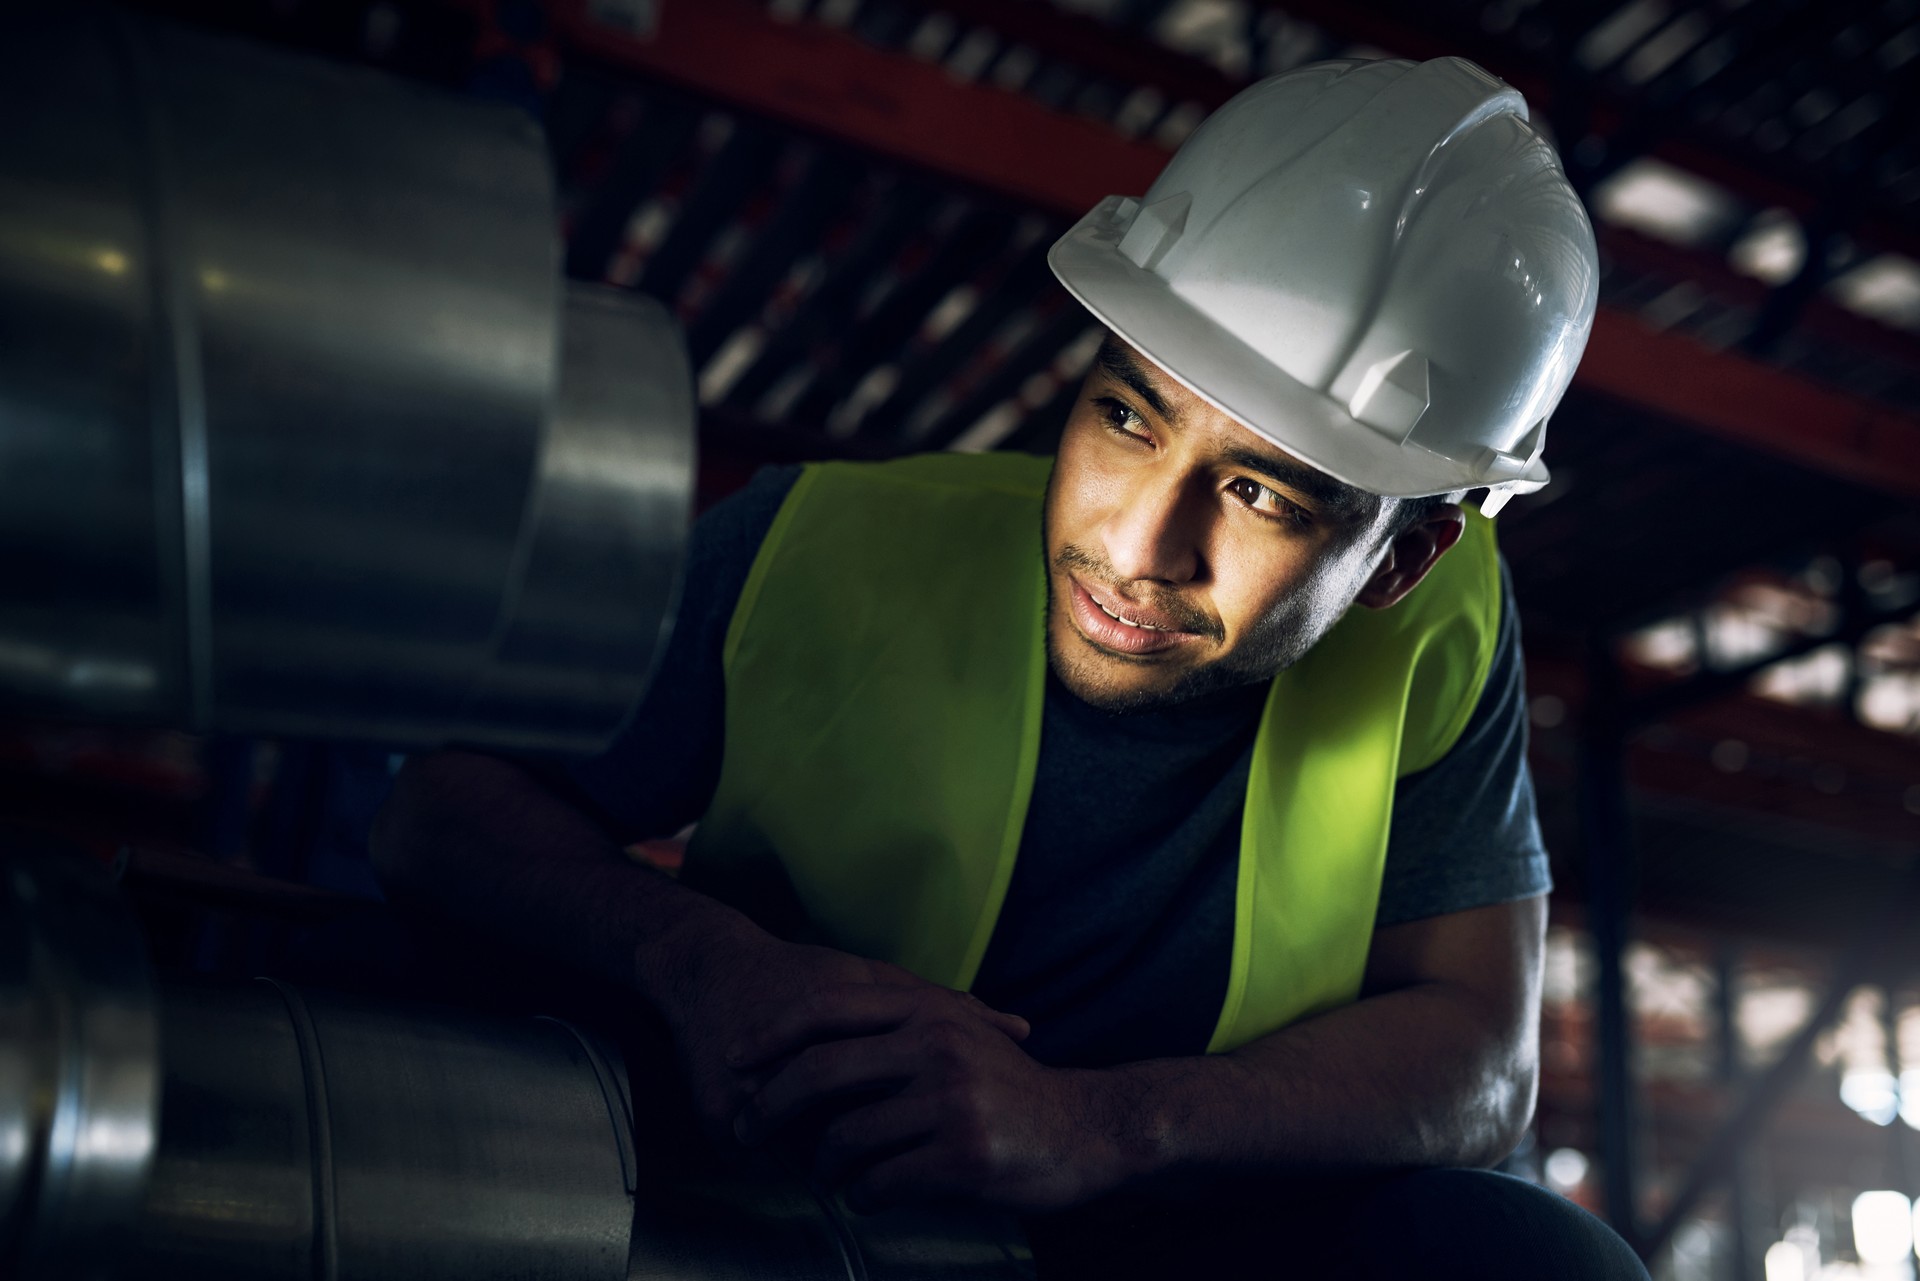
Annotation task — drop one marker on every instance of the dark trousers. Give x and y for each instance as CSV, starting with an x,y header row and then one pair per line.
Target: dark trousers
x,y
1429,1225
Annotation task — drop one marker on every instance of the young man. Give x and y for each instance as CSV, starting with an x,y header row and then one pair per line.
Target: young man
x,y
1153,820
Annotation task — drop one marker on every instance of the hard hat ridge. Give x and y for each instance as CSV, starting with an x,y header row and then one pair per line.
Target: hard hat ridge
x,y
1377,265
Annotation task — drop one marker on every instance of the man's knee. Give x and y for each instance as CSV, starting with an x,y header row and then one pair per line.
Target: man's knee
x,y
1443,1224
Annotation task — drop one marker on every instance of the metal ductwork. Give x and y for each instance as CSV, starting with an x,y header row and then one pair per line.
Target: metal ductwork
x,y
301,432
307,1135
79,1072
258,1131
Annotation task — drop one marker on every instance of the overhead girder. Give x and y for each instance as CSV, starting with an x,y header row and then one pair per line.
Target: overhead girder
x,y
830,82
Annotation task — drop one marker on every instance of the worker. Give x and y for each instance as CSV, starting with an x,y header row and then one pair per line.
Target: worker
x,y
1139,840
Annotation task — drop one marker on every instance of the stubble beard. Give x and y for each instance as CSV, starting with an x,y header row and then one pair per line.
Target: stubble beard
x,y
1079,666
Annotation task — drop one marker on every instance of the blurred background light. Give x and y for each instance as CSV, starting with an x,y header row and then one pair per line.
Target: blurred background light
x,y
1665,202
1785,1262
1882,1227
1871,1094
1886,287
1566,1169
1772,249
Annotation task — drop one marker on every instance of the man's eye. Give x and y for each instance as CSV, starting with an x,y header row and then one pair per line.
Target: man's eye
x,y
1119,417
1267,502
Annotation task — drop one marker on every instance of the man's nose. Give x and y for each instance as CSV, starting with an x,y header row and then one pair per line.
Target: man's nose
x,y
1156,531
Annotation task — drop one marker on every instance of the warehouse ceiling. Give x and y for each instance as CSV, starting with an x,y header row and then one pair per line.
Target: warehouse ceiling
x,y
848,204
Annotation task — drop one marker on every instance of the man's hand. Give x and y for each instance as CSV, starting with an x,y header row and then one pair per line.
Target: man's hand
x,y
931,1098
722,994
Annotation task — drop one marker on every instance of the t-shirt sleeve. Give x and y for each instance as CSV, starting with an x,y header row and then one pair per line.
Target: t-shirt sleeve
x,y
660,772
1464,830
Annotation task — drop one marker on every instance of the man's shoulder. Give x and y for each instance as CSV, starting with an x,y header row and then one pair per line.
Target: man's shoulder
x,y
736,524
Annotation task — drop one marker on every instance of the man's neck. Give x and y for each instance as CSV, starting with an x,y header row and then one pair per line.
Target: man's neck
x,y
1213,709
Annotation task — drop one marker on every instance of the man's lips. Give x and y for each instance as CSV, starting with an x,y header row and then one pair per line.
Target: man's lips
x,y
1093,610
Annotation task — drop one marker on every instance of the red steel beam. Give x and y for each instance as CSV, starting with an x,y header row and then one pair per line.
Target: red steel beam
x,y
1878,765
1752,404
1092,45
828,81
1717,278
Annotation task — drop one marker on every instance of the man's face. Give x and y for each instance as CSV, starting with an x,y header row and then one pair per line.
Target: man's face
x,y
1187,554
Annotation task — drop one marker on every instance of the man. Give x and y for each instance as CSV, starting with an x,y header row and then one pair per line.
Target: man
x,y
1191,856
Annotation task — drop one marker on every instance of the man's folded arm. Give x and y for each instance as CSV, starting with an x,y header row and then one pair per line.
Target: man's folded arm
x,y
1436,1065
488,843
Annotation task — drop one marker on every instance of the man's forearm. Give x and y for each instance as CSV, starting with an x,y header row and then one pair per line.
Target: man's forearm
x,y
482,841
486,843
1415,1077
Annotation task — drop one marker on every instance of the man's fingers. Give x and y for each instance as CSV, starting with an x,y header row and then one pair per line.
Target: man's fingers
x,y
826,1014
855,1009
1012,1024
821,1073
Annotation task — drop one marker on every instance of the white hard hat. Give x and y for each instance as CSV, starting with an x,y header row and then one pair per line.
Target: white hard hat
x,y
1378,266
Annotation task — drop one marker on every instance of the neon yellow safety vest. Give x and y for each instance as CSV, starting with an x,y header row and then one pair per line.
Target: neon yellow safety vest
x,y
885,668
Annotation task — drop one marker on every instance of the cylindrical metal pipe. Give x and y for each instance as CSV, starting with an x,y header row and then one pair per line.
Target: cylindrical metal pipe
x,y
79,1070
300,432
315,1136
260,1132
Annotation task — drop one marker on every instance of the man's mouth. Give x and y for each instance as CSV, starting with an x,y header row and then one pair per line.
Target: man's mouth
x,y
1119,625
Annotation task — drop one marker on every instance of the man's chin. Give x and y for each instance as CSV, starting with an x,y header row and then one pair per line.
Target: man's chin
x,y
1119,682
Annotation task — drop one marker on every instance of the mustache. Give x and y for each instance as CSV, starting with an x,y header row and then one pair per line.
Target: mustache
x,y
1184,615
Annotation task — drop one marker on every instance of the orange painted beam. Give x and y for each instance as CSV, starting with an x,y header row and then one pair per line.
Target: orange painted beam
x,y
1739,399
828,81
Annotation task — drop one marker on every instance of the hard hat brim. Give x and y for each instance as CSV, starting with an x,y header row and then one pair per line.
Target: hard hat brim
x,y
1211,362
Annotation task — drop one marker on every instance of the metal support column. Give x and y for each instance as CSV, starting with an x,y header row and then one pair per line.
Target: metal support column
x,y
1900,1163
1732,1069
1864,959
1607,842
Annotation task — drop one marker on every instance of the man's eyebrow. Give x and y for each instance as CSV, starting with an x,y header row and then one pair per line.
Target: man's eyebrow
x,y
1337,498
1124,367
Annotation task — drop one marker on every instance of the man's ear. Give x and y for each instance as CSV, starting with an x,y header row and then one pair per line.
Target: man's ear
x,y
1413,551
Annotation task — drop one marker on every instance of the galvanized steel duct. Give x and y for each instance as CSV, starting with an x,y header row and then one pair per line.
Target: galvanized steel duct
x,y
79,1071
300,431
306,1135
261,1131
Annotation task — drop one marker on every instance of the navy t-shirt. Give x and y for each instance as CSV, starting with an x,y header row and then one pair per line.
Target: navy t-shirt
x,y
1115,937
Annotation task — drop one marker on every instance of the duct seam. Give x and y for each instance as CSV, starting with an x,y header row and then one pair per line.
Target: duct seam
x,y
319,1129
179,395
